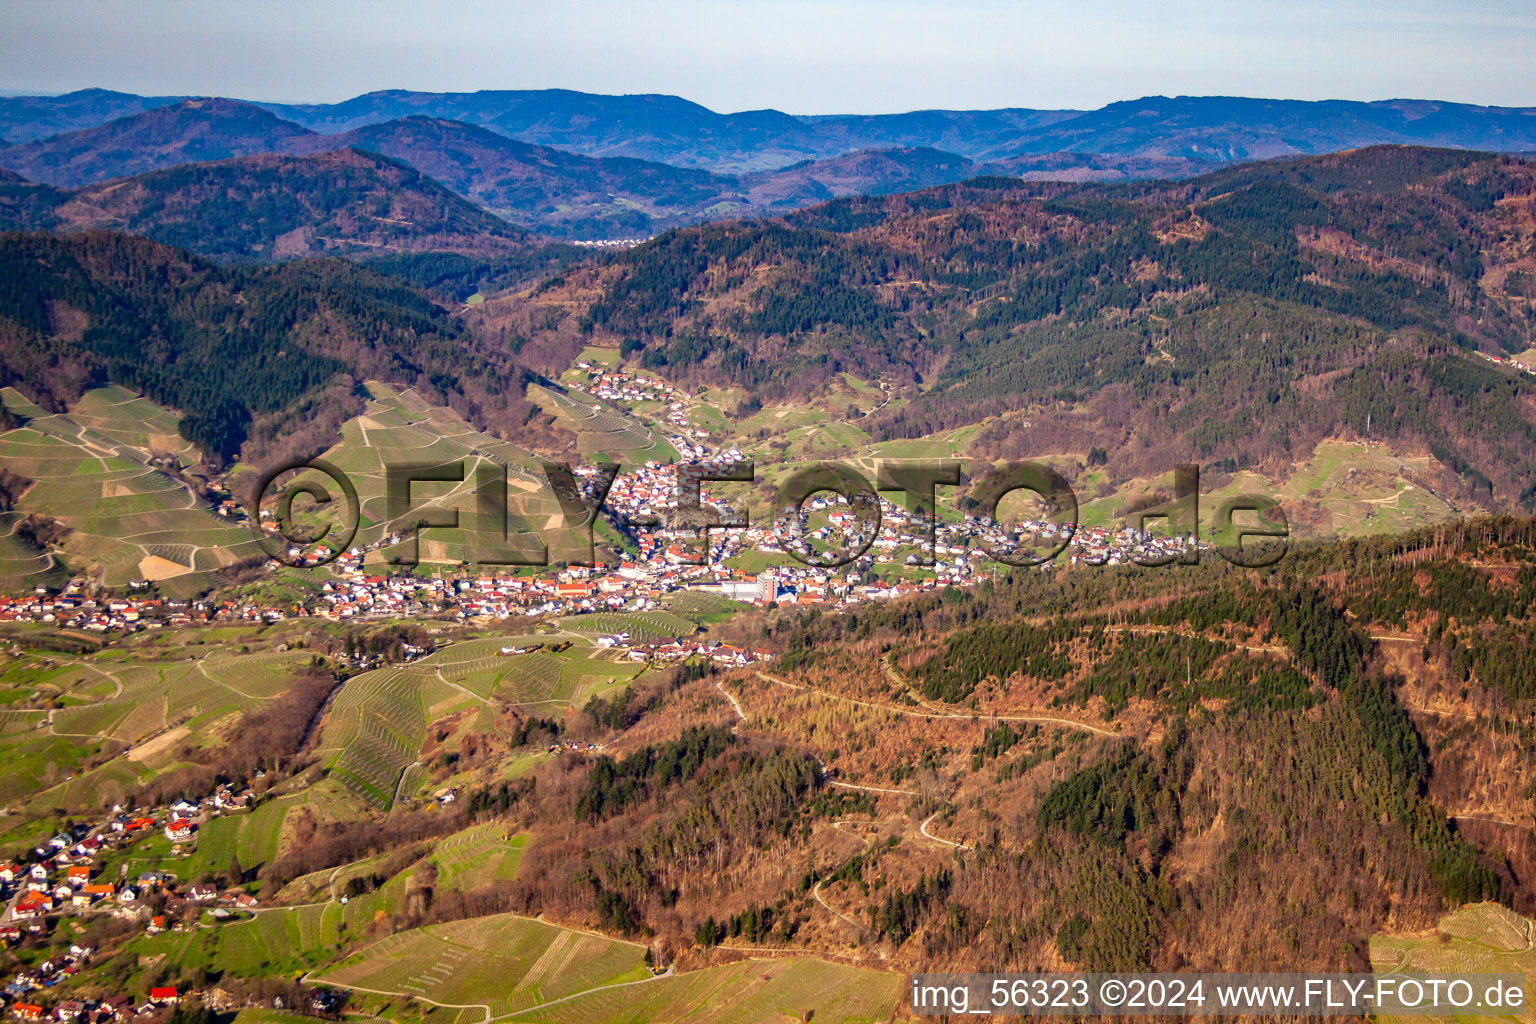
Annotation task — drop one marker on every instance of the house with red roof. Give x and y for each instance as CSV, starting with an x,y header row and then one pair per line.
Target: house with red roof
x,y
31,905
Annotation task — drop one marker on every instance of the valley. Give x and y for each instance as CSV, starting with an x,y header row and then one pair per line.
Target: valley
x,y
473,714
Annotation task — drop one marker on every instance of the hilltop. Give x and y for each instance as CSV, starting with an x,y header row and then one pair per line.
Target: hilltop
x,y
186,132
540,187
25,118
270,207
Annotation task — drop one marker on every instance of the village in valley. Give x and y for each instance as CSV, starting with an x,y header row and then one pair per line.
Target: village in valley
x,y
896,559
647,566
84,874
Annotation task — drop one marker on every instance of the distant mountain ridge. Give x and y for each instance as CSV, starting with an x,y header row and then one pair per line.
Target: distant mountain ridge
x,y
581,166
670,129
673,130
536,187
25,118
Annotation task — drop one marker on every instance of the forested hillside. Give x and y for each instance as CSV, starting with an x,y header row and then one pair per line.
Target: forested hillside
x,y
274,207
1235,318
1104,769
565,193
265,359
164,136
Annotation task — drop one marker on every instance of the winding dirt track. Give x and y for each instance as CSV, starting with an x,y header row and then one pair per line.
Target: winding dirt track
x,y
923,828
1068,723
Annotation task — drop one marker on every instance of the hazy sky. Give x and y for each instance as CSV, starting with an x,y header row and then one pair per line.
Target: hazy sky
x,y
803,57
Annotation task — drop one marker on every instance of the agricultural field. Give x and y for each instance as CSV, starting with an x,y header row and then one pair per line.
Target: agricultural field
x,y
542,677
280,939
1343,488
128,709
503,963
1482,938
249,838
641,626
478,856
92,471
274,940
379,722
601,429
22,563
267,1015
704,608
397,427
746,992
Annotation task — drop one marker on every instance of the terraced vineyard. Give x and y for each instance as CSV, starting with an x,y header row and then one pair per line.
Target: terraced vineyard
x,y
195,693
601,429
505,963
539,677
478,856
141,705
644,626
702,607
533,679
279,940
377,725
92,471
1482,938
397,427
23,564
250,838
747,992
92,468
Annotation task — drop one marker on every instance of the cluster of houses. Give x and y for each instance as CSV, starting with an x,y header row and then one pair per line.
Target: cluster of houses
x,y
21,993
1509,361
74,608
667,562
623,386
66,876
23,988
63,873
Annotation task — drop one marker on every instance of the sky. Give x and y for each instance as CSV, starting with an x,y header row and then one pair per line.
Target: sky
x,y
827,56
